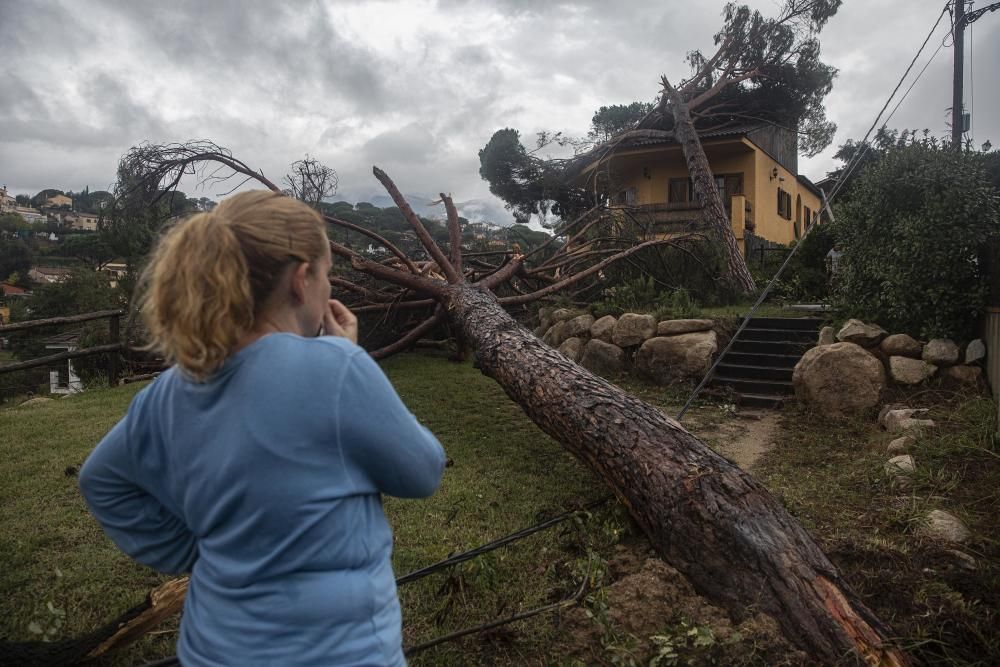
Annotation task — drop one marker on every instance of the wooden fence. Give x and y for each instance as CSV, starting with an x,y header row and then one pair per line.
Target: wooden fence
x,y
991,336
112,349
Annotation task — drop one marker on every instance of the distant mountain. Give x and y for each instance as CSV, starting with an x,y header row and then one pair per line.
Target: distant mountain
x,y
474,210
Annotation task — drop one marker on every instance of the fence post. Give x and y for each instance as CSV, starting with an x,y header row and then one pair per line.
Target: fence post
x,y
113,356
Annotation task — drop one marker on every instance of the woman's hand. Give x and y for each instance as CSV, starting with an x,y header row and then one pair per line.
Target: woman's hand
x,y
338,320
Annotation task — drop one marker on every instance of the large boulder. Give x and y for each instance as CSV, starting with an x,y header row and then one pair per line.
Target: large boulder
x,y
555,335
603,358
975,351
41,400
901,445
910,371
827,336
964,375
666,358
545,318
901,345
632,329
859,333
603,328
940,352
572,348
579,326
563,314
839,379
675,327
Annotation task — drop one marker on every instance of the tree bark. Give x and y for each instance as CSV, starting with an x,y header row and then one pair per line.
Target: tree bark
x,y
707,518
708,195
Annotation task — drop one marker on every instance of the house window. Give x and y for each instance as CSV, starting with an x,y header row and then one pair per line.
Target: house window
x,y
626,197
784,204
679,191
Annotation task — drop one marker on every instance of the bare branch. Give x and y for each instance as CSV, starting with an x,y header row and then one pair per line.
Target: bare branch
x,y
411,336
425,239
454,232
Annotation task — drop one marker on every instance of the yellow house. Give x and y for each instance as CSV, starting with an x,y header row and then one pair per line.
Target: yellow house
x,y
56,201
755,169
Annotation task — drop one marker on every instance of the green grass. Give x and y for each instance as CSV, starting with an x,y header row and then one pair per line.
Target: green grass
x,y
506,474
830,475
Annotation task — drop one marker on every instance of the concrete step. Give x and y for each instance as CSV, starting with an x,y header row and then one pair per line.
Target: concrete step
x,y
796,348
754,372
759,359
797,335
801,323
761,401
765,387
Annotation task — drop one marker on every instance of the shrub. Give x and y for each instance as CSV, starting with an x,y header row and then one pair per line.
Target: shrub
x,y
911,235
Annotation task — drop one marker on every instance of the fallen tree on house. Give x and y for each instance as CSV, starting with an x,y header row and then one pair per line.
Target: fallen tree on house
x,y
707,518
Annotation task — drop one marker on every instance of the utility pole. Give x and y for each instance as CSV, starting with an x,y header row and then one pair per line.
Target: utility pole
x,y
960,22
958,76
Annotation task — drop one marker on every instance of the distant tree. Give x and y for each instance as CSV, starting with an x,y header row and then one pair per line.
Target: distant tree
x,y
311,181
23,200
12,222
15,257
89,248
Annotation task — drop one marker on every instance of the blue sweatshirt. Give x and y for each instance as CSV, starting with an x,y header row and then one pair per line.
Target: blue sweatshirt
x,y
264,483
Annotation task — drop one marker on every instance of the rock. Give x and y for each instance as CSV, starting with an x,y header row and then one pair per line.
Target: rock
x,y
675,327
975,351
545,318
35,401
579,326
603,328
554,336
666,358
539,331
632,329
945,526
899,421
962,560
900,465
968,375
910,371
901,445
827,336
839,379
940,352
901,345
886,409
563,314
572,348
603,358
859,333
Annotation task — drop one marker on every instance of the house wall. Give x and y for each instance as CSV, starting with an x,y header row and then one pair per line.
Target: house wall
x,y
769,224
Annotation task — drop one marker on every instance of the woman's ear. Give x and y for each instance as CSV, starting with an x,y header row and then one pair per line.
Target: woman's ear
x,y
300,275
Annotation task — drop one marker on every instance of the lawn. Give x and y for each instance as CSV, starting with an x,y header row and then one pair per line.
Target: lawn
x,y
506,474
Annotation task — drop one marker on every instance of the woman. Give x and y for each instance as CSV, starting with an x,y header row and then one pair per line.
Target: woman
x,y
256,462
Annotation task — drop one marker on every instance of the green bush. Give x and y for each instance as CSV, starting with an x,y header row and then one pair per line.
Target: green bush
x,y
911,235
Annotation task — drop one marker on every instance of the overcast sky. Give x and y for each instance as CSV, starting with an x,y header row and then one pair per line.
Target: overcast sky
x,y
414,87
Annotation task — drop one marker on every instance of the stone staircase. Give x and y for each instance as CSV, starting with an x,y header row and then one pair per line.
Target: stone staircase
x,y
759,365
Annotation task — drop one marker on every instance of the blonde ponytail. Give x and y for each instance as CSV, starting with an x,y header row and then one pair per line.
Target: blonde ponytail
x,y
211,274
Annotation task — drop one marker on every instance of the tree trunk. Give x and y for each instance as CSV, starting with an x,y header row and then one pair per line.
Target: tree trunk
x,y
707,518
706,192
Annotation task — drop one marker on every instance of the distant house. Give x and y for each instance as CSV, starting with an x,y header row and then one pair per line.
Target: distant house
x,y
49,274
63,379
755,169
115,270
78,220
9,291
58,200
7,202
30,215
